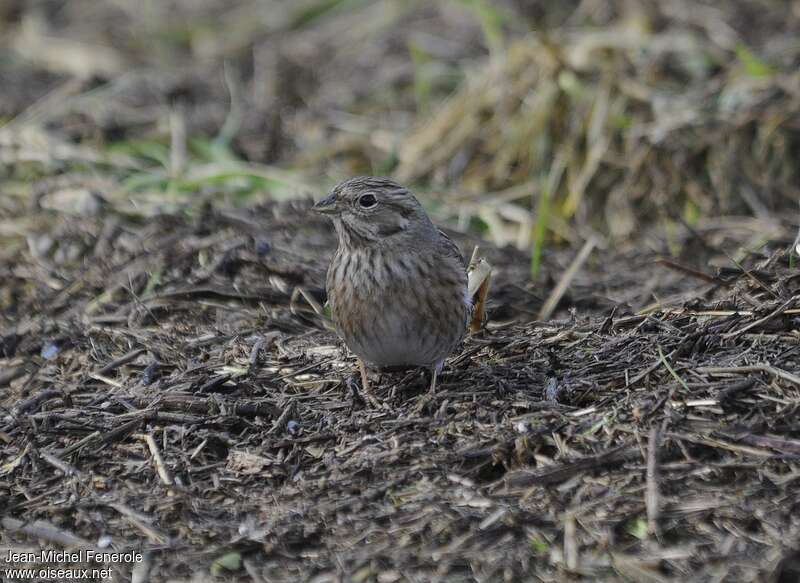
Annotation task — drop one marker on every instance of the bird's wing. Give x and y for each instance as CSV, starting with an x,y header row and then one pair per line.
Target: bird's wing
x,y
451,249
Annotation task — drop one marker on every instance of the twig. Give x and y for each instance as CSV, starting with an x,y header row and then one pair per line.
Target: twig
x,y
556,474
736,388
760,321
211,406
106,380
280,422
561,288
722,444
37,399
82,443
163,473
118,362
771,370
44,530
688,270
570,542
66,469
141,522
652,498
671,370
647,371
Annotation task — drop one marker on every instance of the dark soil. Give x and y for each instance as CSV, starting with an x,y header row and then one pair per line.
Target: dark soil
x,y
166,388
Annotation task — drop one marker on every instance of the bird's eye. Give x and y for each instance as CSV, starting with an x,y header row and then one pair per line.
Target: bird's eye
x,y
367,201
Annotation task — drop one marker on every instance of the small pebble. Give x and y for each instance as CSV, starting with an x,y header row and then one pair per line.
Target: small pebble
x,y
263,247
151,373
293,427
50,350
551,389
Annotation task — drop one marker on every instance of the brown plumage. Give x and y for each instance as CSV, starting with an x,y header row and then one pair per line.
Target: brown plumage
x,y
397,285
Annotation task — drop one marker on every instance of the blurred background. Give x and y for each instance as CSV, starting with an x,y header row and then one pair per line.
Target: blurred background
x,y
530,123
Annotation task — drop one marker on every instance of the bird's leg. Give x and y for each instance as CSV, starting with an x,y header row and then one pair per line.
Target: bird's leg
x,y
426,398
434,374
363,370
365,385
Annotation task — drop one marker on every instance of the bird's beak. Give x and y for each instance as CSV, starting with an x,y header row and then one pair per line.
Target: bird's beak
x,y
327,206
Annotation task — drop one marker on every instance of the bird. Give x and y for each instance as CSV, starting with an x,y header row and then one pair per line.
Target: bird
x,y
397,285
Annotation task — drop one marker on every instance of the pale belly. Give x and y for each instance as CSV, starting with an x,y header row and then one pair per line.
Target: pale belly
x,y
402,337
400,324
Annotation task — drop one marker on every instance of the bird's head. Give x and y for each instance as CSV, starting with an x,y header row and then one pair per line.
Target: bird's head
x,y
369,210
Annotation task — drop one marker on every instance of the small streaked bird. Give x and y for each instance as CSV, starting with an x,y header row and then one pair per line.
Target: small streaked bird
x,y
397,286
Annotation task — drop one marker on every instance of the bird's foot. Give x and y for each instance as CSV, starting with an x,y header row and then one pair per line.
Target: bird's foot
x,y
367,390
